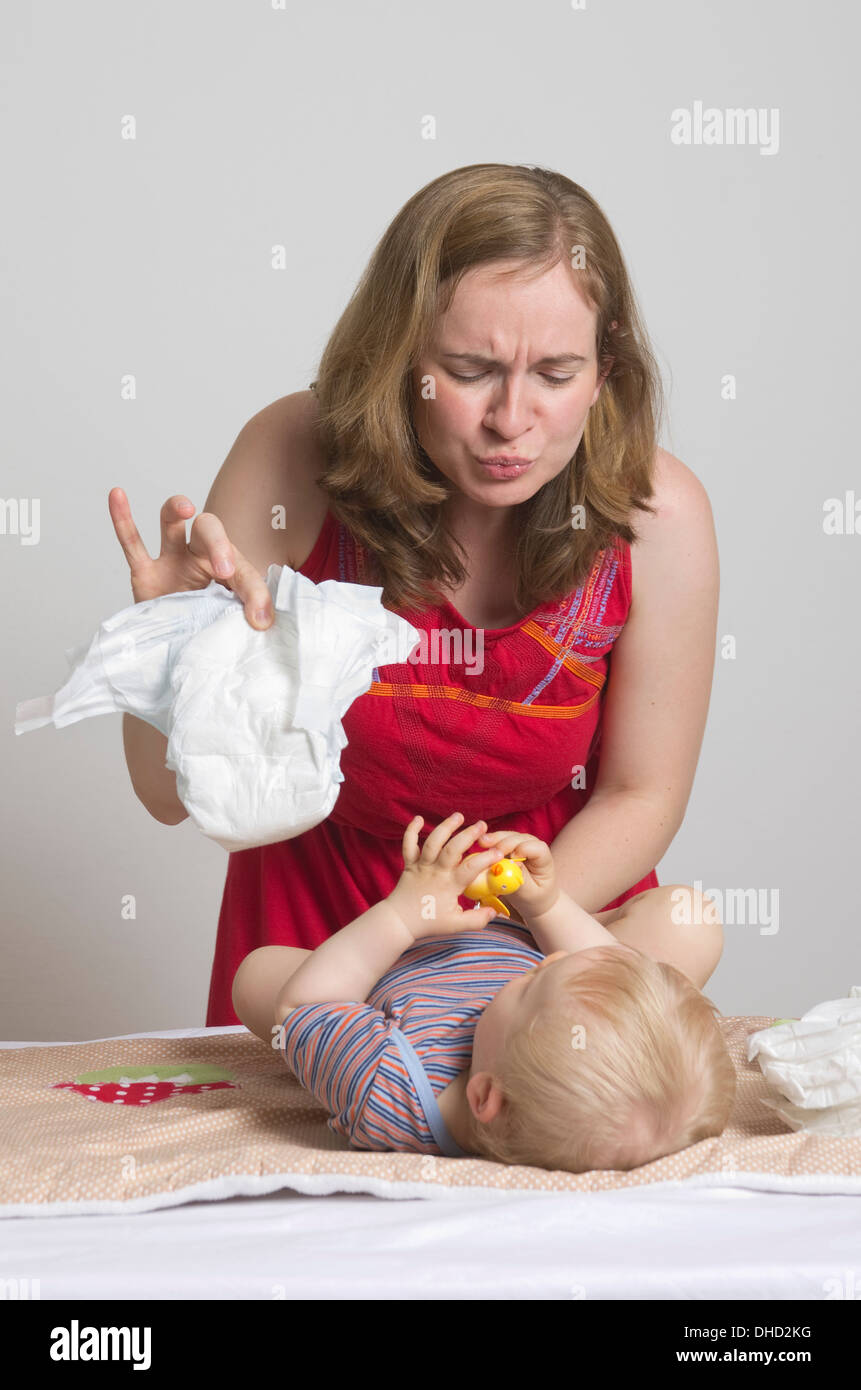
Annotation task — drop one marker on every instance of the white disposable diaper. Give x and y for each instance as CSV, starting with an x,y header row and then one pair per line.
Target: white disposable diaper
x,y
253,719
815,1062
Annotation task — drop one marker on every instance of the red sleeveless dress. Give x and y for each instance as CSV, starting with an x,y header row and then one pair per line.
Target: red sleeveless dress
x,y
496,734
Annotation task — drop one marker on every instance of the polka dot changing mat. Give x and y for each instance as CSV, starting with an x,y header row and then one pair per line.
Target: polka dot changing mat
x,y
133,1124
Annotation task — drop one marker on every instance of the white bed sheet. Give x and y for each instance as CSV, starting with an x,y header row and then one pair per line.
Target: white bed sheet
x,y
631,1243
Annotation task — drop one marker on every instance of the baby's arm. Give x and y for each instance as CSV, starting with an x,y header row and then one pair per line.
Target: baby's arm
x,y
347,965
566,927
549,913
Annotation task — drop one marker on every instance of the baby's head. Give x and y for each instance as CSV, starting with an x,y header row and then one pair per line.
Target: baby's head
x,y
597,1059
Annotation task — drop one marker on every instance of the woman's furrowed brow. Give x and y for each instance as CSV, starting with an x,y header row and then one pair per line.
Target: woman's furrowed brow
x,y
559,359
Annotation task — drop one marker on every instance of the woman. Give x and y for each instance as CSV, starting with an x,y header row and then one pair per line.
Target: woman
x,y
481,431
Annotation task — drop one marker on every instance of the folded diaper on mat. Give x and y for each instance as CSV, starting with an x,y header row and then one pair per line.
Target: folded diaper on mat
x,y
815,1062
253,719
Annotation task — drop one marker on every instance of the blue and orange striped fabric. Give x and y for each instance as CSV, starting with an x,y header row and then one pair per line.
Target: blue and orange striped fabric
x,y
347,1055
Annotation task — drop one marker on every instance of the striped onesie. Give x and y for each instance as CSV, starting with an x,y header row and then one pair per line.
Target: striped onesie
x,y
378,1066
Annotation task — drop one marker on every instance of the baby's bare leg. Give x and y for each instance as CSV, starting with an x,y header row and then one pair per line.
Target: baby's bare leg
x,y
258,982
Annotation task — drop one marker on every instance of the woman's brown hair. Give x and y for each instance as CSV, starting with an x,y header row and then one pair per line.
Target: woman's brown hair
x,y
379,480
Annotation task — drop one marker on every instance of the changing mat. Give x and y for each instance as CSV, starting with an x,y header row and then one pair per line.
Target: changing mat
x,y
132,1124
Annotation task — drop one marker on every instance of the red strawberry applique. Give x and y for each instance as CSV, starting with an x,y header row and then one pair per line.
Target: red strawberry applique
x,y
147,1085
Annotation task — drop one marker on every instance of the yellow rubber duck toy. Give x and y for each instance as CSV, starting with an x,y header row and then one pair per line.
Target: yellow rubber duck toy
x,y
502,877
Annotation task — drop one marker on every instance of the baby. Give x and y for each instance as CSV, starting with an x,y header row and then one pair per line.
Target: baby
x,y
426,1028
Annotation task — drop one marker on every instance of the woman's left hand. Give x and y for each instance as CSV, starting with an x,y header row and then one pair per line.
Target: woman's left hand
x,y
425,896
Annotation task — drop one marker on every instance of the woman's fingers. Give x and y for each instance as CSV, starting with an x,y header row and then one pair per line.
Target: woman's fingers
x,y
189,563
173,516
249,585
209,543
127,533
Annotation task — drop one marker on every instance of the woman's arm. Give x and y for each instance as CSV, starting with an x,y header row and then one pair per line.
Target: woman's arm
x,y
269,471
656,701
154,783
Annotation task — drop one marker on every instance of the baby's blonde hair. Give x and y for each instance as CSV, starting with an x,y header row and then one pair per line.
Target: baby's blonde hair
x,y
624,1065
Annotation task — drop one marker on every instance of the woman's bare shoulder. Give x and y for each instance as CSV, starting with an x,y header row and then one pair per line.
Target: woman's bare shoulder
x,y
663,660
677,487
681,506
677,543
266,492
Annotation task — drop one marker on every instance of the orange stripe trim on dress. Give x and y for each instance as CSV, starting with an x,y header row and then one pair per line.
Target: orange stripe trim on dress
x,y
405,689
532,629
561,651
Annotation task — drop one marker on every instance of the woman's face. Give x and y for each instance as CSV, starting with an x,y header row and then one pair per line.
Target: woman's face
x,y
515,373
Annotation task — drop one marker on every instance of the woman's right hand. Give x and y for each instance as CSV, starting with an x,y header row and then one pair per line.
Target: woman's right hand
x,y
192,564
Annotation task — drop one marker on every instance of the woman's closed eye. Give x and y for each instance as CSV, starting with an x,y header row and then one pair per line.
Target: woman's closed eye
x,y
552,380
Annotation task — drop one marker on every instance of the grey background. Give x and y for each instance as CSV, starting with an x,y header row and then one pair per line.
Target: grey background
x,y
258,126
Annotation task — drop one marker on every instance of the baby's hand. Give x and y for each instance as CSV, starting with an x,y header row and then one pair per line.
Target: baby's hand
x,y
539,890
426,894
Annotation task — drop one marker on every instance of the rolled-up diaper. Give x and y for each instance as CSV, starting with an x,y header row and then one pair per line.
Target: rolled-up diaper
x,y
815,1064
253,719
